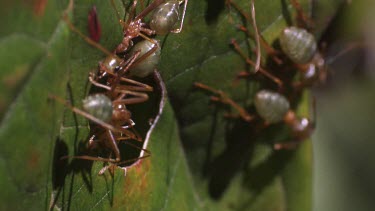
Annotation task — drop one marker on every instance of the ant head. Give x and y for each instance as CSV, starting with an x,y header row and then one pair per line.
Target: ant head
x,y
302,128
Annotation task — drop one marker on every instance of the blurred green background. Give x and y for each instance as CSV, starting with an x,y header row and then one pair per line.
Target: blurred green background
x,y
344,142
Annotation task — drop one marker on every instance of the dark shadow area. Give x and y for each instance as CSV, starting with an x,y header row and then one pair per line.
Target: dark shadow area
x,y
214,8
343,52
64,170
67,170
261,176
285,12
238,152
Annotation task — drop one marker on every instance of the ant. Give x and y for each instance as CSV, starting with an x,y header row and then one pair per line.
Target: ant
x,y
108,110
296,43
165,16
272,107
301,47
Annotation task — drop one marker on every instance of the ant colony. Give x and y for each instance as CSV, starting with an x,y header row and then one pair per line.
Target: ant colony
x,y
273,102
116,84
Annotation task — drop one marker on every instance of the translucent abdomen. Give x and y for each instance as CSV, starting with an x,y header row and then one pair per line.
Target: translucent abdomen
x,y
298,44
271,106
145,66
165,17
98,105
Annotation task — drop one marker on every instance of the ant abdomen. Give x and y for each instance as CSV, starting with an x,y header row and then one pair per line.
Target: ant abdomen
x,y
298,44
165,17
148,58
271,106
98,105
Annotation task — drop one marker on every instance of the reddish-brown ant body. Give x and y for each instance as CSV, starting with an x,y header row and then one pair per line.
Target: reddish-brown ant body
x,y
108,110
271,106
165,16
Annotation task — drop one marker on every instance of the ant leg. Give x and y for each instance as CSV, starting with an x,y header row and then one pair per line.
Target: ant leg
x,y
131,14
147,31
350,47
141,155
87,157
148,9
270,50
112,165
307,22
113,144
138,85
182,18
124,68
138,97
92,118
97,84
286,146
226,100
84,37
250,62
134,160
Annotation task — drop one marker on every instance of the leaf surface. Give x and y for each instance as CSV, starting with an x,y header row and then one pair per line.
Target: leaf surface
x,y
215,167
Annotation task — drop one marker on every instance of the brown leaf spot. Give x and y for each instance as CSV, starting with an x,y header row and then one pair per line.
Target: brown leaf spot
x,y
39,6
136,185
12,80
33,159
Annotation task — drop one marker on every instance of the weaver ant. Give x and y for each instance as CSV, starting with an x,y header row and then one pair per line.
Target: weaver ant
x,y
272,107
165,16
109,113
108,110
298,44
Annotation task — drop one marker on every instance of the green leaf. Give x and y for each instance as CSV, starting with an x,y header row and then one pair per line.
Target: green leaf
x,y
216,168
